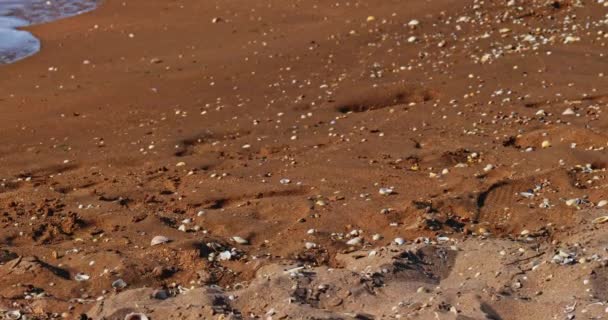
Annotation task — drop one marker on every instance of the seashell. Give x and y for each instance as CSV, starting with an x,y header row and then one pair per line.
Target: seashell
x,y
159,240
354,241
136,316
82,277
602,203
226,255
310,245
399,241
376,237
119,284
13,314
386,191
602,219
568,112
240,240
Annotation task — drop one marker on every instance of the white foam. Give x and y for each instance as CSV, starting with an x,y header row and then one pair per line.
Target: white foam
x,y
18,44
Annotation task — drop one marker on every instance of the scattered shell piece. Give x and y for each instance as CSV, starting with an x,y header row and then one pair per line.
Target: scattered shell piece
x,y
546,144
599,220
240,240
602,203
376,237
159,240
354,241
310,245
81,277
13,314
568,112
399,241
225,255
386,191
136,316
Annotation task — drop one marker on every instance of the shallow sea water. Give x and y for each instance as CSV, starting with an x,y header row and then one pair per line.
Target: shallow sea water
x,y
17,44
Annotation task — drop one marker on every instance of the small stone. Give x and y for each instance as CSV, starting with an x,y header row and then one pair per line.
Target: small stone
x,y
160,294
119,284
399,241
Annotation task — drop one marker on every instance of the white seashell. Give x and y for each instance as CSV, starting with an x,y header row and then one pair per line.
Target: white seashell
x,y
13,314
310,245
602,203
82,277
386,191
413,23
568,112
399,241
354,241
311,231
136,316
376,237
159,240
182,228
240,240
226,255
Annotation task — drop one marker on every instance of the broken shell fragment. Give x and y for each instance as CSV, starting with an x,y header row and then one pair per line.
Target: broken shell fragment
x,y
240,240
13,314
354,241
599,220
82,277
136,316
159,240
386,191
568,112
399,241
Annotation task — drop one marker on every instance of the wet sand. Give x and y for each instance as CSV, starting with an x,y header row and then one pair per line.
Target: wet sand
x,y
425,160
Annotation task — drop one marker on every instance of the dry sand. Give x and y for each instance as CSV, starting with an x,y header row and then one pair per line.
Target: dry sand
x,y
400,159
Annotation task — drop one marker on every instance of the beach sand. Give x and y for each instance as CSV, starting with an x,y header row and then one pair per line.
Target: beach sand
x,y
419,160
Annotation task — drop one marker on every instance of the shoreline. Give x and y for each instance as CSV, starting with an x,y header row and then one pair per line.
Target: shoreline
x,y
18,44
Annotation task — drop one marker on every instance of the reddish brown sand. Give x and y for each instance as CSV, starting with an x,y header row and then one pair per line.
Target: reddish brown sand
x,y
279,122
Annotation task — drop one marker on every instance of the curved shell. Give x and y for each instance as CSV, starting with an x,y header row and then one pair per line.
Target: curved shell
x,y
136,316
159,240
82,277
13,314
